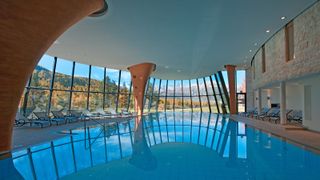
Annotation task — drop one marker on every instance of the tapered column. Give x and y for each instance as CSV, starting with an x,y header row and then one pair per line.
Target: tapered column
x,y
139,76
27,30
283,104
231,69
259,101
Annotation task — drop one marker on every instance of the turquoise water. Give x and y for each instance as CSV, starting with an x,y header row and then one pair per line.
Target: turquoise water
x,y
164,146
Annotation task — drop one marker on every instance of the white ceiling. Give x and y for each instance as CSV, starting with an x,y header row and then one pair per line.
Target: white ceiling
x,y
185,39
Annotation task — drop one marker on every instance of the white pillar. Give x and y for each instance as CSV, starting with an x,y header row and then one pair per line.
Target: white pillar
x,y
283,117
259,101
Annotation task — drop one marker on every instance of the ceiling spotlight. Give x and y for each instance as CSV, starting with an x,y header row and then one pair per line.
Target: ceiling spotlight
x,y
178,70
267,31
283,18
250,50
166,67
255,44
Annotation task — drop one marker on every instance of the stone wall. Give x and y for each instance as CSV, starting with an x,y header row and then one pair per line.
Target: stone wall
x,y
306,52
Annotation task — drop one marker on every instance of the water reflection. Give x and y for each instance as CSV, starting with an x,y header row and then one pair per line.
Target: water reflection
x,y
249,152
141,154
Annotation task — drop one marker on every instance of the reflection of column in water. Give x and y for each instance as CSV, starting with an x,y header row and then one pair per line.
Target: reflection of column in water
x,y
141,155
268,145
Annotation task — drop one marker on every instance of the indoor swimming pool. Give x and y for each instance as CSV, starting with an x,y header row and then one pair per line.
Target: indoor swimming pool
x,y
172,145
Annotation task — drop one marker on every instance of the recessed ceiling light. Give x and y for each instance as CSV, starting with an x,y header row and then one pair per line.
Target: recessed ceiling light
x,y
255,44
267,31
178,70
283,18
166,67
250,50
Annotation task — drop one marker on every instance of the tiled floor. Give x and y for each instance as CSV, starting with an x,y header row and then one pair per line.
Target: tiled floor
x,y
295,134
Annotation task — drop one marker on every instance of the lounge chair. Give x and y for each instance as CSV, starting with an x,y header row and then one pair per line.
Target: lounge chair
x,y
42,116
40,120
264,111
295,115
76,114
58,115
273,112
248,112
21,120
276,118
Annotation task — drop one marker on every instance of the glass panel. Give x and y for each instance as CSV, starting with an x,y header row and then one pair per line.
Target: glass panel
x,y
63,75
163,88
60,100
196,104
95,101
215,86
79,100
225,78
187,103
125,82
161,104
241,81
42,74
186,88
194,88
97,78
123,101
202,87
112,80
178,88
209,86
178,103
81,77
110,102
37,101
204,104
156,87
213,104
169,105
170,88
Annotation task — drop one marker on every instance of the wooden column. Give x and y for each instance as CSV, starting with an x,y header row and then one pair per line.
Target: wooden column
x,y
231,69
27,30
139,76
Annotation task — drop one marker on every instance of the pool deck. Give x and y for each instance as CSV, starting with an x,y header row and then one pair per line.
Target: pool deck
x,y
27,136
293,133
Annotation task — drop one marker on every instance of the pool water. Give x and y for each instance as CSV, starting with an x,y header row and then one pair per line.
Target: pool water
x,y
172,145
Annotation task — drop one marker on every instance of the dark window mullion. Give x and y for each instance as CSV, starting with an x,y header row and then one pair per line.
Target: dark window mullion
x,y
190,95
51,84
199,94
118,94
89,84
214,94
205,86
71,86
165,101
104,88
158,98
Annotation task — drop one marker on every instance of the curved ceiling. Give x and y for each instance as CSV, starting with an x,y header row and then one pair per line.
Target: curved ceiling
x,y
185,39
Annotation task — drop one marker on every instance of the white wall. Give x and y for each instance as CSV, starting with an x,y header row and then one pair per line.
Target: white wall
x,y
311,103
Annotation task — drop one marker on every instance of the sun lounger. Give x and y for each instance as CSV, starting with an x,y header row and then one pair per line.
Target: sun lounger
x,y
60,116
42,116
41,119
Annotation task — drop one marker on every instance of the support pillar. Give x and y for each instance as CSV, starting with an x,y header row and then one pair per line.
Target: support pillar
x,y
231,69
139,76
28,28
259,105
283,105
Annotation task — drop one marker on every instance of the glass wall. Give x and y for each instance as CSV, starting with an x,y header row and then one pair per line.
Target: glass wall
x,y
58,84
